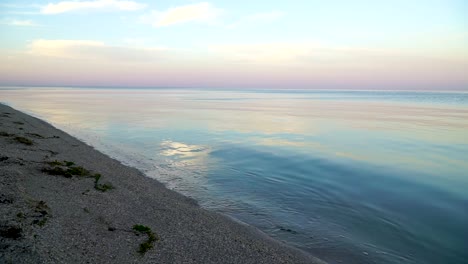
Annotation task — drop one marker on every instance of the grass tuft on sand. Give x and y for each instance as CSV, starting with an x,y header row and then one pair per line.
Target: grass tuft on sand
x,y
65,169
5,134
101,187
68,169
24,140
149,243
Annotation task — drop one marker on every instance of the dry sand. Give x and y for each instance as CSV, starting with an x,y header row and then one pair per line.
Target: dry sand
x,y
56,219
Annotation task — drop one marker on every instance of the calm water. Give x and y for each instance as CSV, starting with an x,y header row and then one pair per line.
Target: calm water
x,y
352,177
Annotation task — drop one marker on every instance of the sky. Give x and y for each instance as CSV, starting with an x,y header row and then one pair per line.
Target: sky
x,y
296,44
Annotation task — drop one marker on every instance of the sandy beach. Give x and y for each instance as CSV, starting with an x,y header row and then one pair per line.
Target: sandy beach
x,y
61,201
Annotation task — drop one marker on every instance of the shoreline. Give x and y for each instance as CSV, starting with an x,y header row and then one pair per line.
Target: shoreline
x,y
50,216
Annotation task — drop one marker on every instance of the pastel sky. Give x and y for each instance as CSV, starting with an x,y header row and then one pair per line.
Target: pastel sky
x,y
362,44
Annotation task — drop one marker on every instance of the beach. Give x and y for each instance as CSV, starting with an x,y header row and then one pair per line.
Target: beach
x,y
55,209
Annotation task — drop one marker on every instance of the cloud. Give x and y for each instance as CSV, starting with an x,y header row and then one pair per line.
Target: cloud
x,y
202,13
346,62
61,48
258,18
300,65
264,52
19,23
98,5
93,50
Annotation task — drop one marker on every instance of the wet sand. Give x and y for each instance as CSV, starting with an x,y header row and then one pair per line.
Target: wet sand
x,y
55,209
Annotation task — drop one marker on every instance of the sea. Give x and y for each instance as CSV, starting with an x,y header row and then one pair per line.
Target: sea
x,y
348,176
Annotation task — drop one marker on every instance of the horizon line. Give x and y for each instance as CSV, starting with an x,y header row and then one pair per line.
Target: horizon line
x,y
233,88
